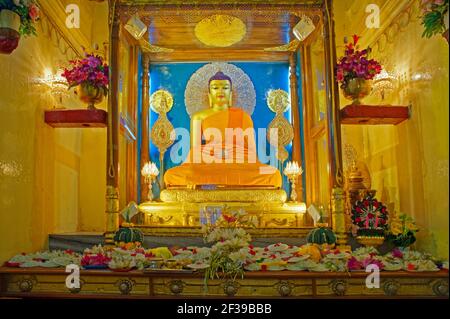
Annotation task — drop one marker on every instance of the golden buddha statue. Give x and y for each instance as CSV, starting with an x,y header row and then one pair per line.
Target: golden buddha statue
x,y
223,148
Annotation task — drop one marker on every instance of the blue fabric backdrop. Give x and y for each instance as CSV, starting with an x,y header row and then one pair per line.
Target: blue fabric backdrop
x,y
174,77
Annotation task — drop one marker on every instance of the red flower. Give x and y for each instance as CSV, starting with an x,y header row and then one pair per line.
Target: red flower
x,y
355,39
252,252
263,267
229,219
33,12
411,267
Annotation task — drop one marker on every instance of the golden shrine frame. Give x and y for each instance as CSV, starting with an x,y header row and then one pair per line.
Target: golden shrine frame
x,y
182,217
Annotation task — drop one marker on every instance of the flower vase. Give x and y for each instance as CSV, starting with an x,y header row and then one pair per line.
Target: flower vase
x,y
355,89
90,94
9,31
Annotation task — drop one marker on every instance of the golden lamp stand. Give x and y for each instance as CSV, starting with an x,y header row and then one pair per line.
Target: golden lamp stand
x,y
293,171
150,172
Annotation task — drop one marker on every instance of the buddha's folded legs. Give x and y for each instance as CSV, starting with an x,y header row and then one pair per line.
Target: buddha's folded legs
x,y
222,174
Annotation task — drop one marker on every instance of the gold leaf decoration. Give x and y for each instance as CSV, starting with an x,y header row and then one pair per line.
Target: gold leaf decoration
x,y
220,30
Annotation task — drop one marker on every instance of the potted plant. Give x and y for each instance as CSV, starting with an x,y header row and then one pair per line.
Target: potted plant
x,y
355,70
402,230
370,217
17,18
435,17
91,77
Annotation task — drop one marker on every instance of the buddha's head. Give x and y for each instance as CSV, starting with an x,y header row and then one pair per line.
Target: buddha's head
x,y
220,90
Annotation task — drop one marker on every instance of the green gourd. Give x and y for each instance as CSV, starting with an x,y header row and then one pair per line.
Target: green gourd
x,y
129,235
126,232
321,234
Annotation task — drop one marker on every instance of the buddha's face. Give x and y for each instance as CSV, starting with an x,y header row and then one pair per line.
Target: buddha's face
x,y
220,93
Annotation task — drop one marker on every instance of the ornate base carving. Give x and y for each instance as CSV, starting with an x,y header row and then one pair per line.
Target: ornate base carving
x,y
225,195
105,284
187,215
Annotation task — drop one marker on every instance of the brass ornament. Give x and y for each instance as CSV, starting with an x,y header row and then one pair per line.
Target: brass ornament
x,y
230,288
391,287
440,287
285,288
150,48
25,285
288,47
161,101
125,286
278,102
220,30
162,135
176,286
339,287
196,93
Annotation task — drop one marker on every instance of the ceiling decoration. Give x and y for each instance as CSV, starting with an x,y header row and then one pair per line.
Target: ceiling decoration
x,y
149,48
288,47
220,30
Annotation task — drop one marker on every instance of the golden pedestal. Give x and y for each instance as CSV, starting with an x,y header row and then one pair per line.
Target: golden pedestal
x,y
178,212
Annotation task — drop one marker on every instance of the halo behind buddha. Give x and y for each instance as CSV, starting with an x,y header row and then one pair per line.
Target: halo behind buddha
x,y
196,93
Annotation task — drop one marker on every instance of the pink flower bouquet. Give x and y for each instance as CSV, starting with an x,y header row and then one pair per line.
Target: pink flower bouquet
x,y
91,71
356,64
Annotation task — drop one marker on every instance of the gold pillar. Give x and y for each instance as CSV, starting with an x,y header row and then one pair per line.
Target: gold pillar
x,y
296,144
332,98
338,217
112,149
145,122
334,130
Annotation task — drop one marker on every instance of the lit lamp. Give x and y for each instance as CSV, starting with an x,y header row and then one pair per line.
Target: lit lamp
x,y
304,28
57,84
292,171
58,89
150,172
383,83
136,27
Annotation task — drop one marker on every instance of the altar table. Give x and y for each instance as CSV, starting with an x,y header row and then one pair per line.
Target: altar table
x,y
41,282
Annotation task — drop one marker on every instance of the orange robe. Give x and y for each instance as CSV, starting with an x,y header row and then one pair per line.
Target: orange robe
x,y
225,161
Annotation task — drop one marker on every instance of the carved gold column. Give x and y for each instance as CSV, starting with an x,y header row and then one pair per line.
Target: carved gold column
x,y
338,217
145,121
332,99
296,144
112,149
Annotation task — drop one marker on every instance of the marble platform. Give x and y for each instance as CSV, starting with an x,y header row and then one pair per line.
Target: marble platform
x,y
82,240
